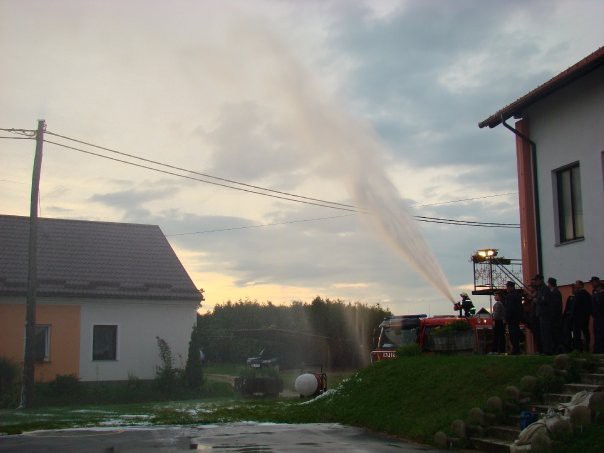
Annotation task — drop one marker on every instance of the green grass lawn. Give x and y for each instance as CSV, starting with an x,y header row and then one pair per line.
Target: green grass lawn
x,y
411,397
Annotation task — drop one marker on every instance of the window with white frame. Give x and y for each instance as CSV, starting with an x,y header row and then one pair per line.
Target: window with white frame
x,y
104,342
42,344
570,207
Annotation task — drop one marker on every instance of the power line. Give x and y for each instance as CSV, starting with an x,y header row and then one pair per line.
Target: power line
x,y
425,219
464,199
27,132
205,175
246,227
468,221
259,226
195,179
299,199
17,138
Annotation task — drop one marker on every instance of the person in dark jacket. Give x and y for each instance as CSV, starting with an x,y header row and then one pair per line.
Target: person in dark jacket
x,y
556,301
580,318
513,314
567,326
498,324
597,310
544,312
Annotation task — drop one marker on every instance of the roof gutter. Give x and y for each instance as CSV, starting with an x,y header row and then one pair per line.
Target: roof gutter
x,y
535,190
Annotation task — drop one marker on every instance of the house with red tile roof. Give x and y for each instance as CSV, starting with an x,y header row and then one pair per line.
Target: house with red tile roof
x,y
559,136
105,292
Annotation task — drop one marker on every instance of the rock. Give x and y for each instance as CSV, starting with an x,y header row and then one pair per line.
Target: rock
x,y
476,416
546,371
459,428
562,362
580,416
528,383
541,443
494,404
561,428
596,403
475,430
441,440
512,393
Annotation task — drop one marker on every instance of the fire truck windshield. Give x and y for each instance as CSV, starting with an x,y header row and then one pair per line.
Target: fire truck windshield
x,y
393,338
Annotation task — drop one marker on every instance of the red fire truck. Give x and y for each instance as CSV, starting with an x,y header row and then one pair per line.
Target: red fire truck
x,y
430,334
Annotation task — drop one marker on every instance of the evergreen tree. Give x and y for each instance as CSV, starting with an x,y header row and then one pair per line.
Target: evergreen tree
x,y
193,369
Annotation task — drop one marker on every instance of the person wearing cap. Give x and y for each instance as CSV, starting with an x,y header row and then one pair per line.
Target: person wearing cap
x,y
580,318
465,305
545,313
556,301
595,281
597,310
513,314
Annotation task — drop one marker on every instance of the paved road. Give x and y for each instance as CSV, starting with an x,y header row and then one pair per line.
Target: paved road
x,y
233,437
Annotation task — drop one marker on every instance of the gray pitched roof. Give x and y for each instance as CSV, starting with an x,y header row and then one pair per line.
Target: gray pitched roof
x,y
93,259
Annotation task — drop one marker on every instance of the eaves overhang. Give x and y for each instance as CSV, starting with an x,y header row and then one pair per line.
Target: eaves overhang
x,y
517,108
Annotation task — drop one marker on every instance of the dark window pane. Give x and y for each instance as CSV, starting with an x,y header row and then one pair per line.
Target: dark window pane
x,y
577,202
104,343
41,343
570,204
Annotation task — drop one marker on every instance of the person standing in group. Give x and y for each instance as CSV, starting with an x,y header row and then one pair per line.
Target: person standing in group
x,y
513,314
498,324
580,318
595,281
597,307
544,311
567,325
556,303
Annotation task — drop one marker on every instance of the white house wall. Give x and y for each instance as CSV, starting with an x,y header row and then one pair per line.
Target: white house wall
x,y
567,127
139,323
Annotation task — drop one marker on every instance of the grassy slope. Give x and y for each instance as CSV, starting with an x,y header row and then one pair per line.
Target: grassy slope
x,y
414,397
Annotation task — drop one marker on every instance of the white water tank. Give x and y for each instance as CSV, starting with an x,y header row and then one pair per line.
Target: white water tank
x,y
306,384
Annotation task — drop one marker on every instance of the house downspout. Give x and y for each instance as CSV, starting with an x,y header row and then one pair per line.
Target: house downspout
x,y
535,190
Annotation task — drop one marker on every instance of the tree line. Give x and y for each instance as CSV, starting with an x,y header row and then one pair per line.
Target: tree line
x,y
329,333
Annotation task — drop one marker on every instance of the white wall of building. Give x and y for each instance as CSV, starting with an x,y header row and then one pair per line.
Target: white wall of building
x,y
139,323
567,127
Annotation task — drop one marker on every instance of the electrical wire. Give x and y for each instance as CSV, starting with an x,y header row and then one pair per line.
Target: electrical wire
x,y
16,138
196,179
26,132
259,226
205,175
330,205
464,199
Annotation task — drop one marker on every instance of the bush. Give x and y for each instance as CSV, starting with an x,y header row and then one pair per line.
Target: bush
x,y
166,376
408,350
193,370
10,375
456,326
64,384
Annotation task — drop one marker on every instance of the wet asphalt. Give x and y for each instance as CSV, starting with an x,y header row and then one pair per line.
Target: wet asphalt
x,y
232,437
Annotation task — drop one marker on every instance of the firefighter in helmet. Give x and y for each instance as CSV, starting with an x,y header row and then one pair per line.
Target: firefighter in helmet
x,y
465,306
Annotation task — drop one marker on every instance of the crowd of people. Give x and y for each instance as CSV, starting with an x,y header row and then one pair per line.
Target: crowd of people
x,y
556,327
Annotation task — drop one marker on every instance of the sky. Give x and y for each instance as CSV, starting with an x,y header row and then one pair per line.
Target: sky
x,y
371,106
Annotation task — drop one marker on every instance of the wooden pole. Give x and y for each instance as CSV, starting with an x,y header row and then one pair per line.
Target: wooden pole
x,y
27,388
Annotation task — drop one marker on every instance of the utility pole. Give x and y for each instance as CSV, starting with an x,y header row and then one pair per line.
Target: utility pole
x,y
27,389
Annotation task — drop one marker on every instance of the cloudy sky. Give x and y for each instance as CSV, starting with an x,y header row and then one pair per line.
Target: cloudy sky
x,y
371,106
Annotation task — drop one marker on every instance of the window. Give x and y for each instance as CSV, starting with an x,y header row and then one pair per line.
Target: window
x,y
42,344
570,207
104,342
